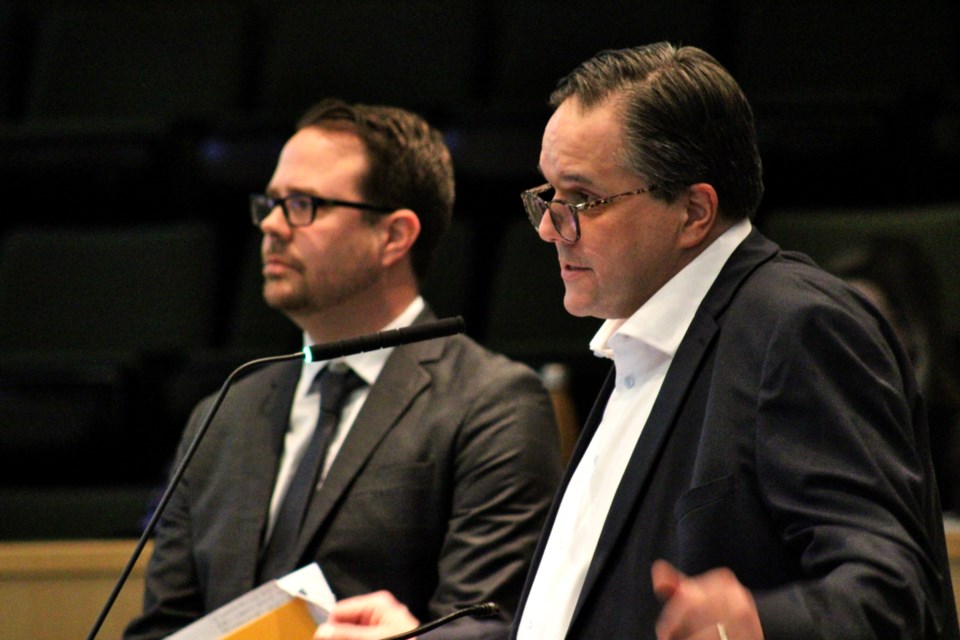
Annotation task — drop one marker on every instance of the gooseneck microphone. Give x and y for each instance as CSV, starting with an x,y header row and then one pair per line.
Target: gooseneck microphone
x,y
384,339
480,610
339,349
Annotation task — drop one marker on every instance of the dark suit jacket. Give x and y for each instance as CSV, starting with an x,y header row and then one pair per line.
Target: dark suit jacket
x,y
438,494
789,444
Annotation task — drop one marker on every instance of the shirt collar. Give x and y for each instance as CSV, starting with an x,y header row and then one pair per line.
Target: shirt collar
x,y
663,320
369,364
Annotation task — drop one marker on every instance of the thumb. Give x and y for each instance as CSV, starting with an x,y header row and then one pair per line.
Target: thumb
x,y
666,579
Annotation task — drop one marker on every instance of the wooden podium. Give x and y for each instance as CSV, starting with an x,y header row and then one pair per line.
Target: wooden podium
x,y
55,590
953,550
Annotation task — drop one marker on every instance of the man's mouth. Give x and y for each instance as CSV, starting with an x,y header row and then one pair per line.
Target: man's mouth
x,y
273,266
568,270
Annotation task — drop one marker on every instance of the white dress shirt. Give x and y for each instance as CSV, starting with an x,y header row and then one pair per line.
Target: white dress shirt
x,y
306,407
642,348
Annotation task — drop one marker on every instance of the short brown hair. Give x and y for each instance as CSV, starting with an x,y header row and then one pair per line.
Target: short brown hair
x,y
409,166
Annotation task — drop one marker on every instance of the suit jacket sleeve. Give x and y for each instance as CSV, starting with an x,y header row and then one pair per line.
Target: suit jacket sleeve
x,y
843,465
506,468
173,597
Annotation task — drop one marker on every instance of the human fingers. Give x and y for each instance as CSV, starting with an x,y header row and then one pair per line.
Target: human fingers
x,y
369,608
666,578
369,616
704,607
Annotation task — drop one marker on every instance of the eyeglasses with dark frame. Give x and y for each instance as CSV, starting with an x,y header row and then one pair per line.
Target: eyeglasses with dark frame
x,y
300,210
564,215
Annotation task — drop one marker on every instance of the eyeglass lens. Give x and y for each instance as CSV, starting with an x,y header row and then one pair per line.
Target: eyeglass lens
x,y
562,215
298,210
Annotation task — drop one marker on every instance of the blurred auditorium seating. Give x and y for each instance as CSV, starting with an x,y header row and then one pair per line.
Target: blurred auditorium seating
x,y
826,233
250,323
247,330
123,120
420,55
108,88
88,321
452,285
526,318
846,95
136,61
539,41
9,70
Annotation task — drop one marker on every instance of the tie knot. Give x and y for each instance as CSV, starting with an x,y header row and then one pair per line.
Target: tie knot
x,y
336,383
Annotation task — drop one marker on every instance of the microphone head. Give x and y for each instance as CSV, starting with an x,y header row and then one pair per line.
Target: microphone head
x,y
384,339
485,609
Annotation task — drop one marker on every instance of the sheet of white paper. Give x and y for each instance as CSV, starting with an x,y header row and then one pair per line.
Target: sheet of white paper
x,y
310,584
307,583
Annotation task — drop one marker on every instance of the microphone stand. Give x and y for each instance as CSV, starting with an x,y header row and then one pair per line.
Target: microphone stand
x,y
479,610
174,480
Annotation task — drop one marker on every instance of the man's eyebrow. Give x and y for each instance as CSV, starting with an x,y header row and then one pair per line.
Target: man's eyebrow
x,y
274,192
574,178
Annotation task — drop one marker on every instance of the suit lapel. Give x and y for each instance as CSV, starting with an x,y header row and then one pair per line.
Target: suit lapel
x,y
403,379
263,446
591,423
749,255
652,438
589,427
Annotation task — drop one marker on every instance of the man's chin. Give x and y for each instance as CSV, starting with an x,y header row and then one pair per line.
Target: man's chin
x,y
575,307
280,299
580,307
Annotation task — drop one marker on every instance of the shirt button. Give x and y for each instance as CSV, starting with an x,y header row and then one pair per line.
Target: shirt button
x,y
629,381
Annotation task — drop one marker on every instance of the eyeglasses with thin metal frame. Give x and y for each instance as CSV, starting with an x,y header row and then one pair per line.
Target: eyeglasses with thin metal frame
x,y
300,210
564,215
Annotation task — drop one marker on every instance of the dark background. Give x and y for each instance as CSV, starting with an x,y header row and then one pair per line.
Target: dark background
x,y
131,133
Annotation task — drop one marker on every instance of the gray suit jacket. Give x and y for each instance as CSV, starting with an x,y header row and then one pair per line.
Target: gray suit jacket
x,y
438,494
788,443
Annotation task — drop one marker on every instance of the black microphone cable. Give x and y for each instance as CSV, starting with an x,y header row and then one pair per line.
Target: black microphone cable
x,y
479,610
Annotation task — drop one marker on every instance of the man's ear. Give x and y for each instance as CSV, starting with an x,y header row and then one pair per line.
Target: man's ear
x,y
702,214
402,230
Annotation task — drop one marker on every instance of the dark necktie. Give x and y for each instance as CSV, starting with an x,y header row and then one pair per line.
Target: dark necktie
x,y
336,383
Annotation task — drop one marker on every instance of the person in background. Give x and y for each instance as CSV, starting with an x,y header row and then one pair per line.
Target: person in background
x,y
432,472
896,276
757,465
